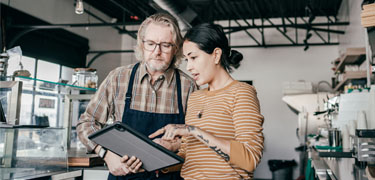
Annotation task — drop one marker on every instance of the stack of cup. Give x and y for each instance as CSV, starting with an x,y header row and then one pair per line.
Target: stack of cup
x,y
361,120
334,137
346,144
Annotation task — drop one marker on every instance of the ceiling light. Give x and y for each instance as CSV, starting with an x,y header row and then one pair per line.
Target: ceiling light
x,y
79,7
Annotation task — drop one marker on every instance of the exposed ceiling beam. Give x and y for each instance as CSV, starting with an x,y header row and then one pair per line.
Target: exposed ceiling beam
x,y
232,8
76,25
282,32
139,7
248,33
285,45
130,12
131,34
300,26
111,51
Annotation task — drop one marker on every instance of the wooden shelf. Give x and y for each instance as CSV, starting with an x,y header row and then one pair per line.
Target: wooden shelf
x,y
351,56
81,159
350,76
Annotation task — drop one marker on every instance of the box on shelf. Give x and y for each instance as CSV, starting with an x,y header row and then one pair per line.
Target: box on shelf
x,y
350,56
297,88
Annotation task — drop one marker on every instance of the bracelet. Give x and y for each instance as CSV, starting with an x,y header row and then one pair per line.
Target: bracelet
x,y
165,170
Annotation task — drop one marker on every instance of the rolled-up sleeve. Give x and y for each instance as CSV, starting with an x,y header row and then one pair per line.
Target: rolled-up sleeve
x,y
247,148
97,111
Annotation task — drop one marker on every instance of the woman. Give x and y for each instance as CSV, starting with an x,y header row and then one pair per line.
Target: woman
x,y
223,128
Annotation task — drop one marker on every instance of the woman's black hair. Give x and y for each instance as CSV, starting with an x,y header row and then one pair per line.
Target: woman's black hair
x,y
210,36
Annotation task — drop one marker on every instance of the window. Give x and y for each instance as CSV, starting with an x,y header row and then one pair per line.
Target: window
x,y
48,71
27,62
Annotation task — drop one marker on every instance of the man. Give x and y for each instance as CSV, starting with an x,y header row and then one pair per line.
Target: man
x,y
146,96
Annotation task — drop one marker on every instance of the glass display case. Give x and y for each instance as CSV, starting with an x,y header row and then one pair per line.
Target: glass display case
x,y
43,115
28,151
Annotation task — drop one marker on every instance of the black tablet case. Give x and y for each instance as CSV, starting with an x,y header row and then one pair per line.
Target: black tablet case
x,y
123,140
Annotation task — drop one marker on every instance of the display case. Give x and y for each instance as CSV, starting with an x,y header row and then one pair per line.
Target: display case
x,y
41,111
29,151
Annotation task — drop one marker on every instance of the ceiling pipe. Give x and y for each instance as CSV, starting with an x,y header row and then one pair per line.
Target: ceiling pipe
x,y
182,13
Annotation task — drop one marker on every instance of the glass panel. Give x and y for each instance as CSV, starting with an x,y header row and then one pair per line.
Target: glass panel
x,y
5,94
78,108
26,107
48,71
45,109
9,99
28,152
52,87
27,62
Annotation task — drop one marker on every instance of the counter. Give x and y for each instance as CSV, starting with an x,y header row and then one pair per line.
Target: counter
x,y
336,168
31,173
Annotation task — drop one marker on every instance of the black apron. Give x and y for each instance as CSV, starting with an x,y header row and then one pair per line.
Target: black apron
x,y
147,123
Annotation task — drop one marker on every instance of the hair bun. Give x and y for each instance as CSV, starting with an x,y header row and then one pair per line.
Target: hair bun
x,y
235,58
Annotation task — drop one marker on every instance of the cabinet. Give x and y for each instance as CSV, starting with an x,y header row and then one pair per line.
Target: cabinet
x,y
40,115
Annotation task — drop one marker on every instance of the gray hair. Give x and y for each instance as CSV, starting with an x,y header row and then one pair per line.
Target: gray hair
x,y
165,19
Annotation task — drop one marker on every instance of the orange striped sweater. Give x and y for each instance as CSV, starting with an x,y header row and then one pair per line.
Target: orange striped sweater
x,y
232,113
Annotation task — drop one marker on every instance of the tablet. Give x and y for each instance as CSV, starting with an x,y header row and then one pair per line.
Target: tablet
x,y
123,140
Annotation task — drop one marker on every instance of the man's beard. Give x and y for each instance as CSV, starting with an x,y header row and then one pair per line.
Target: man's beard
x,y
160,67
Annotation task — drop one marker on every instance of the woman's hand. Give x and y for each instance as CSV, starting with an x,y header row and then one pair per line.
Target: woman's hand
x,y
170,145
173,131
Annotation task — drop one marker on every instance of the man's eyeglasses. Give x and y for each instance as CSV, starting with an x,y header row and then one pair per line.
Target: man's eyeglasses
x,y
164,46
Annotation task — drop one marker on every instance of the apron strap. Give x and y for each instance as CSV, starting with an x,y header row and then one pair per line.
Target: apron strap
x,y
130,91
179,96
130,88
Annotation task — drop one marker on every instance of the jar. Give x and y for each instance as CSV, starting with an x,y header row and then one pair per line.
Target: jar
x,y
85,77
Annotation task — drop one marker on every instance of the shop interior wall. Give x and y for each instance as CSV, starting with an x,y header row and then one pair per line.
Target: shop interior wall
x,y
268,68
354,33
128,43
62,12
